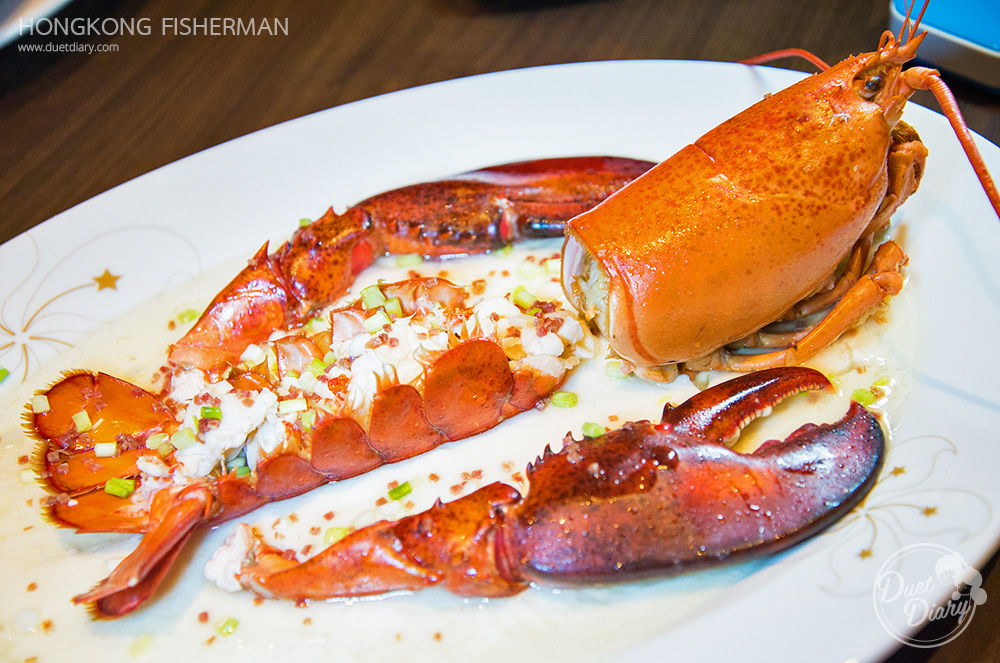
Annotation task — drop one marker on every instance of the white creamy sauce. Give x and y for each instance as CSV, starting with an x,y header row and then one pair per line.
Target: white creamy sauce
x,y
45,565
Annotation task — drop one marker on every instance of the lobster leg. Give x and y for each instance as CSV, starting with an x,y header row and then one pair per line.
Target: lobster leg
x,y
796,323
173,515
905,170
645,500
855,268
882,280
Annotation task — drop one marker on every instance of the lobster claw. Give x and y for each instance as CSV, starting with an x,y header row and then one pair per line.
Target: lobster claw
x,y
657,503
643,501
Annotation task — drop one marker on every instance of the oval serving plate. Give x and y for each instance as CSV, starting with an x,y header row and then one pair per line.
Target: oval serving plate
x,y
168,240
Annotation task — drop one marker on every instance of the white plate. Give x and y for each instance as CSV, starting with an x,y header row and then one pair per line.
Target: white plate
x,y
217,207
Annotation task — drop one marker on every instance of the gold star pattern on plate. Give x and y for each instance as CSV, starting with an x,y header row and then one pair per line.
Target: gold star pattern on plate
x,y
929,511
896,471
107,280
865,554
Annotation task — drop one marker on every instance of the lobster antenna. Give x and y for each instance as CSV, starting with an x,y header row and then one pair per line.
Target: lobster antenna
x,y
906,20
951,111
907,30
788,53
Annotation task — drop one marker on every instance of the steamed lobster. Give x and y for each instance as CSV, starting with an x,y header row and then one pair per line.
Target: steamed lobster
x,y
684,267
642,501
246,415
476,212
768,217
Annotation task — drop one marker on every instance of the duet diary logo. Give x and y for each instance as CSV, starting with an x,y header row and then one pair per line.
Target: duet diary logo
x,y
922,584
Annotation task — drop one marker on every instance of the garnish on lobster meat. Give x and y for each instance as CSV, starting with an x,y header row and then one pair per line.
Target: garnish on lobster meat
x,y
438,364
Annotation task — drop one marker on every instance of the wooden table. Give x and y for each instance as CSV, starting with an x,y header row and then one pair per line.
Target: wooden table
x,y
74,125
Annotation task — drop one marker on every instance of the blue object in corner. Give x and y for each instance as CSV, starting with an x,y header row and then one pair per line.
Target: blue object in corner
x,y
963,36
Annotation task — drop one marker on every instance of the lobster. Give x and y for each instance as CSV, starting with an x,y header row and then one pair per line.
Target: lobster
x,y
686,267
476,212
642,501
408,366
768,218
684,270
465,383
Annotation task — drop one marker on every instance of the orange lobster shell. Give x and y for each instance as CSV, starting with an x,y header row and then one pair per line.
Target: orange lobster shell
x,y
727,235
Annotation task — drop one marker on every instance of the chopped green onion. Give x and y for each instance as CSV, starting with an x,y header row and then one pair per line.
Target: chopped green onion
x,y
119,487
614,369
3,373
226,626
182,439
409,260
210,412
376,322
553,266
157,440
188,315
523,298
316,325
534,310
292,405
590,429
505,251
237,461
138,647
307,381
105,449
529,270
40,404
863,396
82,421
564,399
308,419
883,381
317,367
400,491
394,307
334,534
242,471
303,222
372,297
165,449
